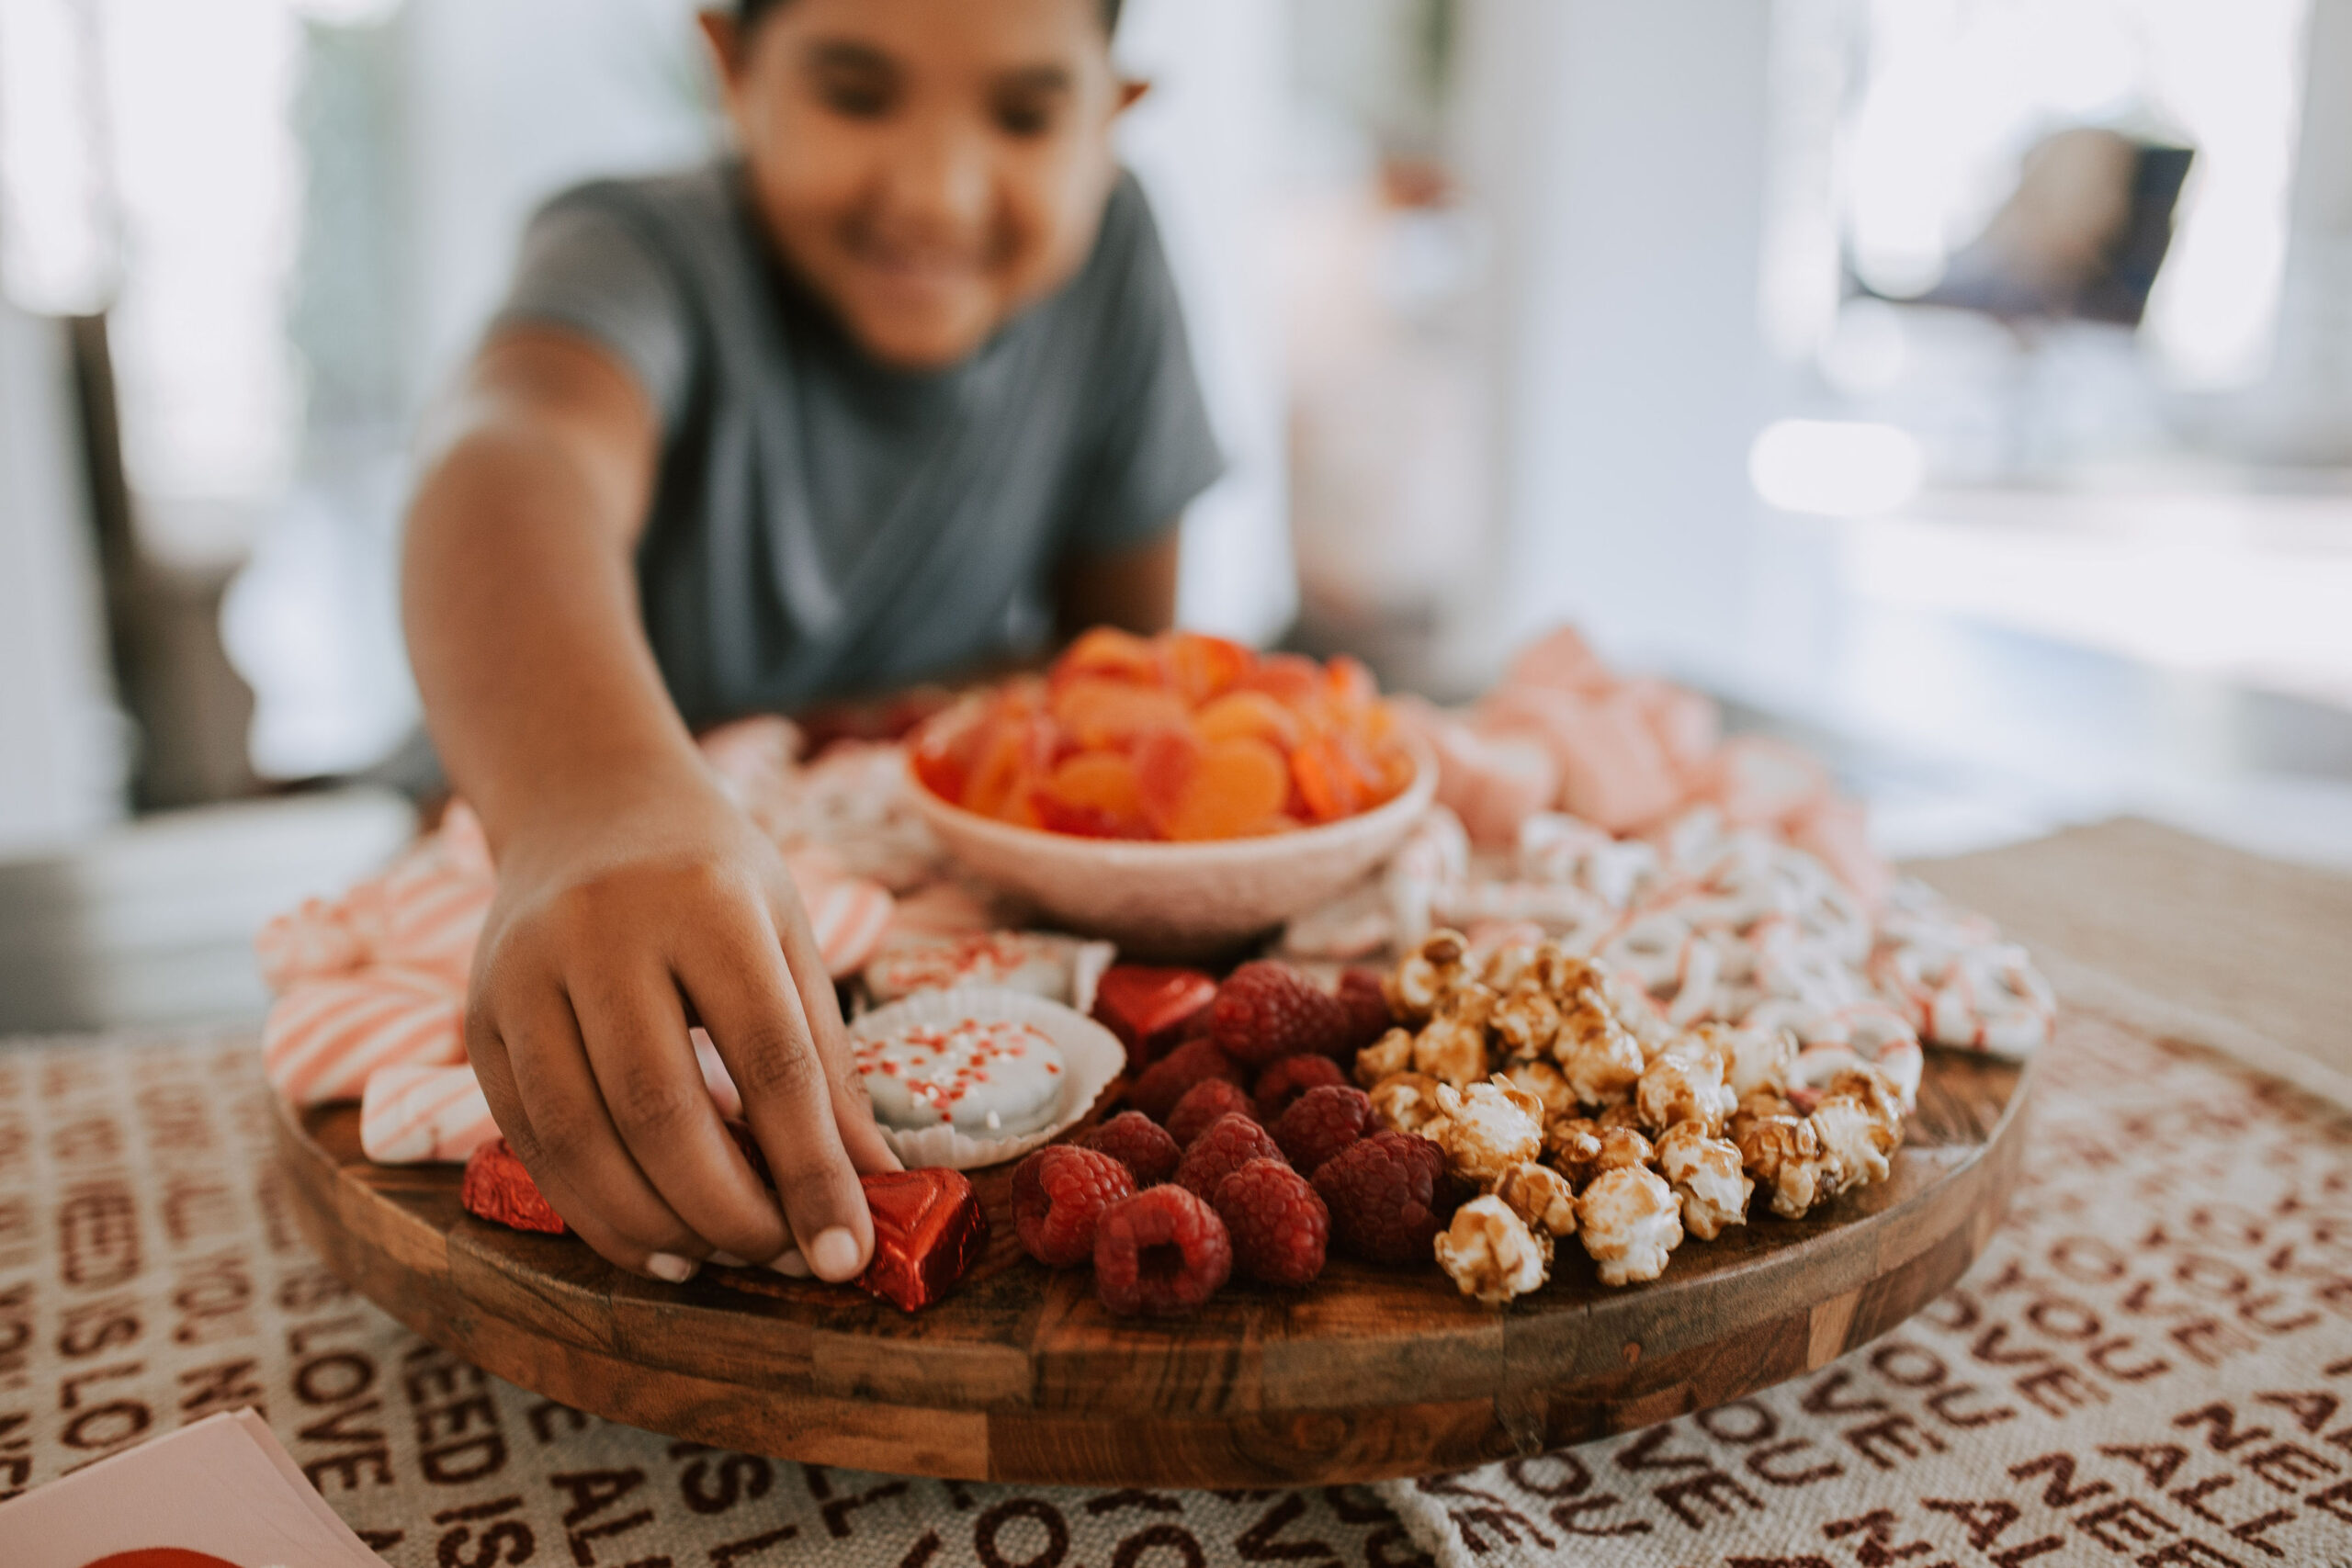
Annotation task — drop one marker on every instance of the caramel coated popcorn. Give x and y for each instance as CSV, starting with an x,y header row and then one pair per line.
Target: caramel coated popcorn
x,y
1881,1098
1784,1154
1384,1057
1543,1076
1426,974
1629,1220
1754,1057
1581,1150
1624,1114
1573,1145
1685,1084
1405,1103
1548,1083
1510,967
1488,1128
1526,1021
1849,1135
1452,1051
1541,1196
1704,1171
1601,1060
1491,1254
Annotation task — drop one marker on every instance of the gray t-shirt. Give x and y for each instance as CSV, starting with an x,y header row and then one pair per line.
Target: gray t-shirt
x,y
822,524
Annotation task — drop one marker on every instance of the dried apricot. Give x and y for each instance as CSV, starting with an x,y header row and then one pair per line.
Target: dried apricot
x,y
1165,763
1328,785
1251,714
1110,652
1234,789
1350,685
1200,667
1013,756
1291,679
1183,736
1099,713
1094,794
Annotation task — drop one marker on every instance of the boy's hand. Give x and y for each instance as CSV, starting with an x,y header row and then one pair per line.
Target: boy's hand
x,y
619,919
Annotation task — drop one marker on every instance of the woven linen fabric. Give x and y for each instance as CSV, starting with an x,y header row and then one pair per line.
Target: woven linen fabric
x,y
2151,1364
151,1275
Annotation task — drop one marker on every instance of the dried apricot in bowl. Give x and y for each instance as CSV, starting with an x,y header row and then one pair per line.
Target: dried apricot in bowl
x,y
1183,738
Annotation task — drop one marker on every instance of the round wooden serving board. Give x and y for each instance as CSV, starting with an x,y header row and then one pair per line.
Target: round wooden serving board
x,y
1019,1374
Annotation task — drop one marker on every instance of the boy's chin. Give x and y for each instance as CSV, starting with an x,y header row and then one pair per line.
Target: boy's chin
x,y
922,342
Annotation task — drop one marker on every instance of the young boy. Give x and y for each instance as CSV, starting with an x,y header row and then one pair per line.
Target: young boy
x,y
899,388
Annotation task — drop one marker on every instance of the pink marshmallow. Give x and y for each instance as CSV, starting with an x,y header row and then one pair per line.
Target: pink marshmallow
x,y
1614,772
1492,783
1561,661
1685,723
1756,781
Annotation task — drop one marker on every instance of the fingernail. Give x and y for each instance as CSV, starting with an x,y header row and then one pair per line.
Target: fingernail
x,y
834,1253
727,1260
671,1266
790,1262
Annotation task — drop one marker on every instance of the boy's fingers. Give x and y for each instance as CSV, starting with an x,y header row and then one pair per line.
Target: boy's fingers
x,y
862,1140
754,1013
635,1031
853,1108
557,1123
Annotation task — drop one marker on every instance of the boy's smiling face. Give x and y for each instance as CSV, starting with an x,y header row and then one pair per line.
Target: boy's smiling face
x,y
928,167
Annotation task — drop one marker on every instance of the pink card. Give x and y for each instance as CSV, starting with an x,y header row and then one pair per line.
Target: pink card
x,y
219,1494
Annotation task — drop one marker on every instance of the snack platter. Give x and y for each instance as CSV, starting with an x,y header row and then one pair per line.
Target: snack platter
x,y
1622,1081
1019,1374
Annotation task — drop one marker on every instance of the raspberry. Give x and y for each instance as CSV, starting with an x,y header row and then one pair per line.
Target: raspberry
x,y
1201,1105
1382,1192
1163,1083
1232,1141
1265,1011
1140,1143
1278,1222
1058,1193
1161,1253
1320,1123
1366,1008
1280,1086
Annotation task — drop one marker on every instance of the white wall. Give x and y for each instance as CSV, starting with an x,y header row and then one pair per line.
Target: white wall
x,y
1618,152
1204,143
2303,411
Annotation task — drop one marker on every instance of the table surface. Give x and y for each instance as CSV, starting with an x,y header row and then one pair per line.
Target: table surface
x,y
2192,923
150,1271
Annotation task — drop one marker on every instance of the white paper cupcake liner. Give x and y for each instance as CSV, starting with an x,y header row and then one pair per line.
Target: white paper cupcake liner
x,y
1092,1057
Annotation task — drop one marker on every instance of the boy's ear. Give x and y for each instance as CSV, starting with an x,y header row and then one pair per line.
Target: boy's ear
x,y
1130,89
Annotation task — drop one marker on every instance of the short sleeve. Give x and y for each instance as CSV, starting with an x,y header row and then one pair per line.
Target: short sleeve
x,y
1155,450
583,265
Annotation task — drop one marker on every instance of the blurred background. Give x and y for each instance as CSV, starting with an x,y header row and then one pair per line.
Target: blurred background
x,y
1963,387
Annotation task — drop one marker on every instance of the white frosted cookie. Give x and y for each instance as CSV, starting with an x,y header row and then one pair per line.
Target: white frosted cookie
x,y
989,1079
1042,963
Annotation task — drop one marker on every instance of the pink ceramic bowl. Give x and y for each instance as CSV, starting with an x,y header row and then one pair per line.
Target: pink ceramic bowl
x,y
1162,900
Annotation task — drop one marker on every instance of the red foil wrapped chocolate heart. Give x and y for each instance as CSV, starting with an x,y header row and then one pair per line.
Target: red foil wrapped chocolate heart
x,y
928,1224
1147,1008
497,1188
927,1227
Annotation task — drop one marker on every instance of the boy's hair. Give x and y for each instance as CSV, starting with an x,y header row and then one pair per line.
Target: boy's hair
x,y
748,11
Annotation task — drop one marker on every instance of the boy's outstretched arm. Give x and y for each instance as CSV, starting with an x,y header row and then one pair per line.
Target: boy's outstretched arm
x,y
1134,590
632,897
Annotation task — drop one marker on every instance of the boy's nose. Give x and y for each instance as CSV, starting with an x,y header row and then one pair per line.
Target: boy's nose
x,y
937,183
